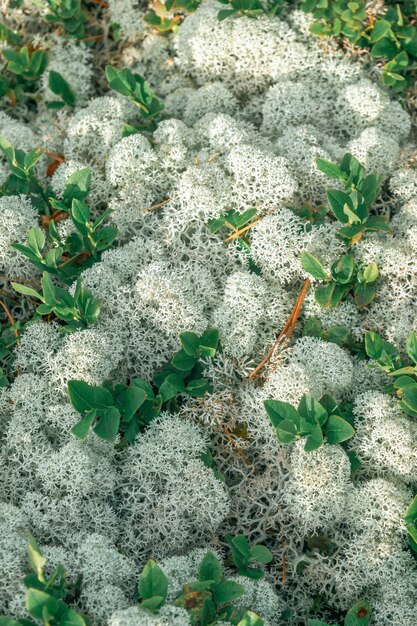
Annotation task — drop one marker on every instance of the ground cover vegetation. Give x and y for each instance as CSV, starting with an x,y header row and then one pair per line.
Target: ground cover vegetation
x,y
208,383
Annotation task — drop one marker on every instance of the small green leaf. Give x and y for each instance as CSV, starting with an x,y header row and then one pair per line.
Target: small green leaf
x,y
330,169
373,345
380,30
77,185
286,431
278,411
182,361
38,602
59,86
371,272
36,558
411,346
359,614
80,211
210,568
26,291
152,582
338,430
172,385
314,439
261,554
311,410
227,591
82,427
338,200
108,424
411,513
190,343
85,397
313,266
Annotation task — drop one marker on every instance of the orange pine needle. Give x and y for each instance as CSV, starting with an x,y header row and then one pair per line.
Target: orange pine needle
x,y
237,233
288,329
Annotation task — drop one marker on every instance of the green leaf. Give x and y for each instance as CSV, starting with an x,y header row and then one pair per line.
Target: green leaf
x,y
182,361
198,387
77,185
36,241
338,430
131,399
208,342
359,614
37,602
371,272
411,346
152,582
85,397
48,289
190,343
121,81
343,269
373,345
317,622
338,200
108,424
314,439
313,266
80,211
330,169
59,86
384,48
380,30
411,513
172,385
31,158
311,410
261,554
26,291
250,619
82,427
210,568
278,411
286,431
365,293
153,604
227,591
6,146
323,294
36,558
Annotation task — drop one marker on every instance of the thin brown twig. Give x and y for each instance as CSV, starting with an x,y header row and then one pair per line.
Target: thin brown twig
x,y
237,233
157,206
239,450
215,540
287,330
9,317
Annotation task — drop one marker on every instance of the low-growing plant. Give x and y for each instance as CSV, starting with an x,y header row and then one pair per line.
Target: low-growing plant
x,y
391,36
243,557
59,86
166,16
69,14
138,90
346,277
315,215
207,600
46,595
340,335
237,225
351,206
403,372
317,420
77,311
128,409
24,68
22,179
68,257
